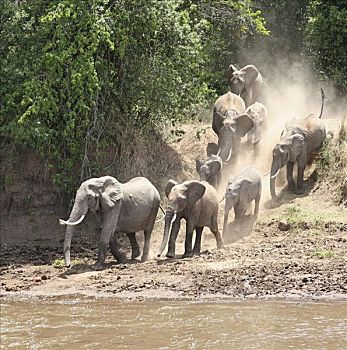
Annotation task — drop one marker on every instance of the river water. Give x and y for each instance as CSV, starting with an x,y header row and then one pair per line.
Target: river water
x,y
89,323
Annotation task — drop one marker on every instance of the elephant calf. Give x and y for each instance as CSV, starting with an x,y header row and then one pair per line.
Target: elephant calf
x,y
210,169
197,203
240,192
126,208
258,112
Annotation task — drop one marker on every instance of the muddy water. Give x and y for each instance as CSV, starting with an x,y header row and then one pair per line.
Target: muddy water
x,y
83,323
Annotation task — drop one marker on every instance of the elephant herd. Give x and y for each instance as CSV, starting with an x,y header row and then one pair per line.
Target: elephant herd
x,y
133,206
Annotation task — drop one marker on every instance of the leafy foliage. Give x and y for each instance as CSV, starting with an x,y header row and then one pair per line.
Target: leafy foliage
x,y
326,39
75,72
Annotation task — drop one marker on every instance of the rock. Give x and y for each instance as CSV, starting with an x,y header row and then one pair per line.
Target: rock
x,y
283,226
44,277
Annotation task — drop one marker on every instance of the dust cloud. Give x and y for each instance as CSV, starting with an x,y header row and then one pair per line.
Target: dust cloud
x,y
291,92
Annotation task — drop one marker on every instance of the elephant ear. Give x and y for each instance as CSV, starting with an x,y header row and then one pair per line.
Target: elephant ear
x,y
251,73
215,163
296,146
198,164
111,193
231,69
212,149
171,183
244,124
195,190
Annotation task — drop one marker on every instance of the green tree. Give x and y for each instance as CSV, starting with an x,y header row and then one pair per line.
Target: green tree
x,y
326,40
76,71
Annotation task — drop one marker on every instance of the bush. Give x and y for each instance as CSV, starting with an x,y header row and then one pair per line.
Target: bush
x,y
75,72
332,162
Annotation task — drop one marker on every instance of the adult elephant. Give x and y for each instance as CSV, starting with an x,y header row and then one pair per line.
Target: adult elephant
x,y
246,82
210,169
299,140
230,123
197,203
127,208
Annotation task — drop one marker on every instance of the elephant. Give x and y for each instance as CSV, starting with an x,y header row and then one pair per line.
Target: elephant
x,y
210,169
230,123
197,203
246,82
258,112
240,192
127,208
299,140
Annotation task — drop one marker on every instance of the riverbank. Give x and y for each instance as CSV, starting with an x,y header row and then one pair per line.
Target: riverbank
x,y
286,256
295,249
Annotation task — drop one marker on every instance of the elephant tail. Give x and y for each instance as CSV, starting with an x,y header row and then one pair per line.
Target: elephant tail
x,y
323,98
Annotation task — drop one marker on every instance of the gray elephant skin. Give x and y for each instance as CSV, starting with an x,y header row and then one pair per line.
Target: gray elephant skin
x,y
299,140
210,169
197,203
246,82
240,192
258,112
230,123
127,208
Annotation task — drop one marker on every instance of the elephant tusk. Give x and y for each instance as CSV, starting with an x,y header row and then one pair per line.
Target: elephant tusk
x,y
62,222
273,176
266,174
218,152
173,218
229,156
160,219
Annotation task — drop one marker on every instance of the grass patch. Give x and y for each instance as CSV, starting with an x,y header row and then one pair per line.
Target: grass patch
x,y
302,220
324,254
59,263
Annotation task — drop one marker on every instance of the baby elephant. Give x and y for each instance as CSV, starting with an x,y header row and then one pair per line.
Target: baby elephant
x,y
258,112
210,169
197,203
240,191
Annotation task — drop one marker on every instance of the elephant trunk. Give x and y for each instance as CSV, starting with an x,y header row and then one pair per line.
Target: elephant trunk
x,y
256,136
75,216
170,217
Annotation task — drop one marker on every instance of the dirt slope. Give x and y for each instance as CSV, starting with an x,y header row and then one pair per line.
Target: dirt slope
x,y
297,249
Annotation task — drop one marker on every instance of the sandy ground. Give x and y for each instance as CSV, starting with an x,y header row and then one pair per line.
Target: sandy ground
x,y
305,262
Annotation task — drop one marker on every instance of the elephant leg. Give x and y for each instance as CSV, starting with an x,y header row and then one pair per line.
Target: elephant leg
x,y
300,187
115,250
197,244
188,252
239,211
226,217
110,220
291,183
172,241
147,236
215,231
135,249
148,232
256,206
